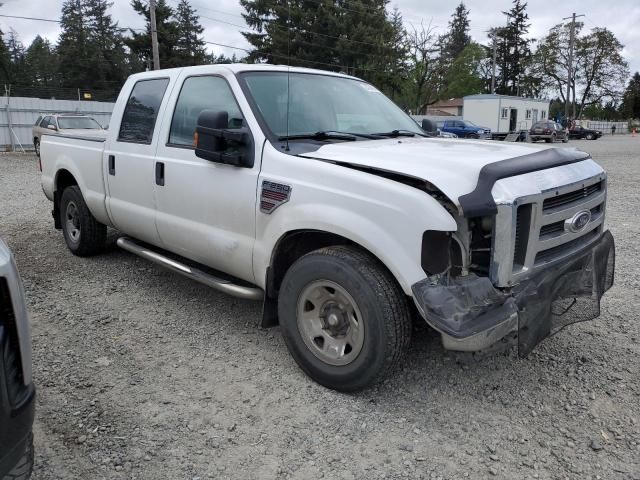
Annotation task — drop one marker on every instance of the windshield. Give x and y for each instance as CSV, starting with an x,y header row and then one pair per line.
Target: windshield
x,y
319,103
77,122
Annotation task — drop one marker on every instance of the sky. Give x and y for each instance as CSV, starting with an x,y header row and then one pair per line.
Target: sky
x,y
622,17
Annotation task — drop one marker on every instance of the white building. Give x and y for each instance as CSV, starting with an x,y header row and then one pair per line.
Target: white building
x,y
503,113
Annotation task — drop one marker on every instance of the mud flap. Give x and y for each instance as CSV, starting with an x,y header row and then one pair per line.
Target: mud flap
x,y
564,294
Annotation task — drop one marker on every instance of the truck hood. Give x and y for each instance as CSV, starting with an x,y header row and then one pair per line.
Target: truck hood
x,y
453,166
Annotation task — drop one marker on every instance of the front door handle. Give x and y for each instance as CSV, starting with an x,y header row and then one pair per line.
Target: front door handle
x,y
160,173
112,165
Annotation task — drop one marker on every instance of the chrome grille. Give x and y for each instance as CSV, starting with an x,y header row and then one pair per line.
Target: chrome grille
x,y
579,195
531,230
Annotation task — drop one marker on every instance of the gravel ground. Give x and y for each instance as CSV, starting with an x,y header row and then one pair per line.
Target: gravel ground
x,y
142,374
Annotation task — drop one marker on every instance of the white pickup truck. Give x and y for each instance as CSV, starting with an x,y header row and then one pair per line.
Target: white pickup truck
x,y
314,193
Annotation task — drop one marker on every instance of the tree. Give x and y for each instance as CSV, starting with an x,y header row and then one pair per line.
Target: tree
x,y
355,37
189,45
425,72
457,38
140,43
631,100
16,52
106,45
73,45
5,61
513,52
41,63
464,76
601,70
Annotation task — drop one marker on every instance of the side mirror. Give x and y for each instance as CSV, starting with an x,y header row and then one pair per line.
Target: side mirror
x,y
52,127
217,143
429,126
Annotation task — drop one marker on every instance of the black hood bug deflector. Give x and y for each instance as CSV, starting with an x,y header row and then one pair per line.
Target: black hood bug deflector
x,y
479,202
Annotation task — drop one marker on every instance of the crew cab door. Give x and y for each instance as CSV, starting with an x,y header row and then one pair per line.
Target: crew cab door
x,y
129,161
205,210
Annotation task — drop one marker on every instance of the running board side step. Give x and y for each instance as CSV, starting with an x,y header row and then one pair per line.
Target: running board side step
x,y
222,285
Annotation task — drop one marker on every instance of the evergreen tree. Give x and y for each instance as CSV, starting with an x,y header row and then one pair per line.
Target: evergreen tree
x,y
457,38
5,61
189,45
514,51
107,45
16,51
167,29
41,63
74,46
356,37
631,99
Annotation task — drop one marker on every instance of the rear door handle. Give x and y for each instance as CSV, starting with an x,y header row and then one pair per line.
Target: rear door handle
x,y
112,165
160,173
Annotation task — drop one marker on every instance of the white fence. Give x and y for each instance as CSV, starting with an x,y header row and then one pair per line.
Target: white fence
x,y
18,114
605,126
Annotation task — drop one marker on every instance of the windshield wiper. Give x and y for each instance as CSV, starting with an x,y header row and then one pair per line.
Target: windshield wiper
x,y
399,133
322,135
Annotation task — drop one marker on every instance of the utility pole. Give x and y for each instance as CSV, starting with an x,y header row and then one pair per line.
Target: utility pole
x,y
154,35
495,57
572,39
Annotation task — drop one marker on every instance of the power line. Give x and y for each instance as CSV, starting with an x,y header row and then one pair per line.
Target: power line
x,y
60,21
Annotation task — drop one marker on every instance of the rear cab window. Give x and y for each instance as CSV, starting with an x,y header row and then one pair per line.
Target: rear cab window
x,y
141,111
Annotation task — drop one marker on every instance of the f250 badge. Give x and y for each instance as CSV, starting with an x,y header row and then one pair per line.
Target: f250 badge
x,y
273,195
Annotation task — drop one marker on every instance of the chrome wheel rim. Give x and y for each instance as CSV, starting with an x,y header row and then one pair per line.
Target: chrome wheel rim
x,y
72,222
330,322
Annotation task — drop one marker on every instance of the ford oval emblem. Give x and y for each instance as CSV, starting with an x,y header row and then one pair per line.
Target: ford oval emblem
x,y
578,222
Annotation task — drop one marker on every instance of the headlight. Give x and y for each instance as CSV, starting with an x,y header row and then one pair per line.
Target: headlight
x,y
480,132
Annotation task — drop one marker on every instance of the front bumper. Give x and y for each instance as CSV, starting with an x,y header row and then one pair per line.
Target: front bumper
x,y
472,315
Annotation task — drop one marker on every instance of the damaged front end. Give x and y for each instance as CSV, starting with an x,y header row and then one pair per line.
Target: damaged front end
x,y
528,260
473,315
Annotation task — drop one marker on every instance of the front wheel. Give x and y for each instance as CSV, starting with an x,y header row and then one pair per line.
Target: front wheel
x,y
589,136
22,470
84,235
345,320
36,146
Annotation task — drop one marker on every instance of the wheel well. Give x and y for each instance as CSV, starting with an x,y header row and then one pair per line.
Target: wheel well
x,y
294,245
64,179
290,248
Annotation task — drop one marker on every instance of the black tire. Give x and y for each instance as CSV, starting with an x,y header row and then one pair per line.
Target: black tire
x,y
383,306
36,146
473,136
24,467
589,136
91,235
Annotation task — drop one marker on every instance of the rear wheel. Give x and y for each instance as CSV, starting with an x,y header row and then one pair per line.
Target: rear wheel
x,y
345,320
84,235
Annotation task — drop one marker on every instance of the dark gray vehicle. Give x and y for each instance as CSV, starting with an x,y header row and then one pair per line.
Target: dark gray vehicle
x,y
17,392
548,131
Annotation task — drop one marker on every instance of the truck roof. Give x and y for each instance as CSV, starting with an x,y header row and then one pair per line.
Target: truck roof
x,y
242,67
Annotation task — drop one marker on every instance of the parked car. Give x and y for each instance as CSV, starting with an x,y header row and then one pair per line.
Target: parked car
x,y
549,131
465,129
17,392
315,194
433,128
70,124
580,132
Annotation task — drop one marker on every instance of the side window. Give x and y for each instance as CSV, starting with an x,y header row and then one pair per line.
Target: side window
x,y
505,113
528,114
45,121
198,94
141,111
